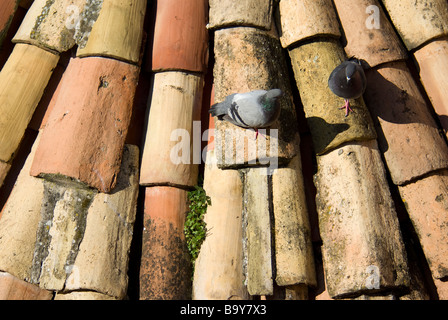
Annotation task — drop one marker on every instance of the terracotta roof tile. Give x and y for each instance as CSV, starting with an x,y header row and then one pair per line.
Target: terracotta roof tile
x,y
355,207
7,11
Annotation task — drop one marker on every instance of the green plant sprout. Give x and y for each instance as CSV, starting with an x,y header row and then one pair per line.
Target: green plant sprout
x,y
195,228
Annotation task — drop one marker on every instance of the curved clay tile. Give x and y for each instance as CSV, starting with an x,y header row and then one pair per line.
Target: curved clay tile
x,y
12,288
18,231
217,273
50,24
362,245
22,82
409,136
301,20
250,13
165,270
180,36
88,122
117,31
7,10
432,60
169,150
369,35
418,21
427,202
293,249
101,263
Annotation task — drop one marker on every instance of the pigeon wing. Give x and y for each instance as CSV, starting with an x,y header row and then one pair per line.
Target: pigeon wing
x,y
246,110
221,109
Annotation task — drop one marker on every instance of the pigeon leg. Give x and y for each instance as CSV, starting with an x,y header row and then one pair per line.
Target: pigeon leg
x,y
257,132
347,108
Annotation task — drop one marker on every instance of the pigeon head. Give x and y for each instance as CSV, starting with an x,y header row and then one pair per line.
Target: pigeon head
x,y
350,71
269,98
348,80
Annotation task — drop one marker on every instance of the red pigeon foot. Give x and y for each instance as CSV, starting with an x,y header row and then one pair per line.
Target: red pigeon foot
x,y
347,108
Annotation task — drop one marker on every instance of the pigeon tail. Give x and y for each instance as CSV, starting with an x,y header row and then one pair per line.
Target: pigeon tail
x,y
214,110
220,109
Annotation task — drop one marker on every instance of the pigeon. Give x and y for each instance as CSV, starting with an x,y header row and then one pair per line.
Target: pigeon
x,y
256,109
348,81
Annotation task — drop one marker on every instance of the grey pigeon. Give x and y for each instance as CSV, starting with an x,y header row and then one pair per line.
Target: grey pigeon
x,y
348,81
256,109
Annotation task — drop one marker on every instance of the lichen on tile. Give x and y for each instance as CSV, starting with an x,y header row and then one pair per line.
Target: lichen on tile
x,y
87,19
60,232
35,33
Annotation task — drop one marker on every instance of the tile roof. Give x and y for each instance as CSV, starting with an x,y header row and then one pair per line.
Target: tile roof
x,y
104,130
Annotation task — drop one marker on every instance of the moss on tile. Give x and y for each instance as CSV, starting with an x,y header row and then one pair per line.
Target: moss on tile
x,y
195,227
313,63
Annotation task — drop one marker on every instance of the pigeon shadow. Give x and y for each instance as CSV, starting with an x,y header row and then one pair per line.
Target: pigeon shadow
x,y
387,102
323,133
443,122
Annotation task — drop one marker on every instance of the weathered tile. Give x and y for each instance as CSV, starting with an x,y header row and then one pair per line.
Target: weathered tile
x,y
19,222
229,13
117,32
83,295
101,263
7,10
442,289
249,59
369,35
294,258
165,270
180,36
432,60
426,201
12,288
418,21
420,287
4,169
301,20
375,297
88,123
51,24
296,292
363,251
407,134
22,83
60,231
256,201
218,272
76,224
170,153
312,64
